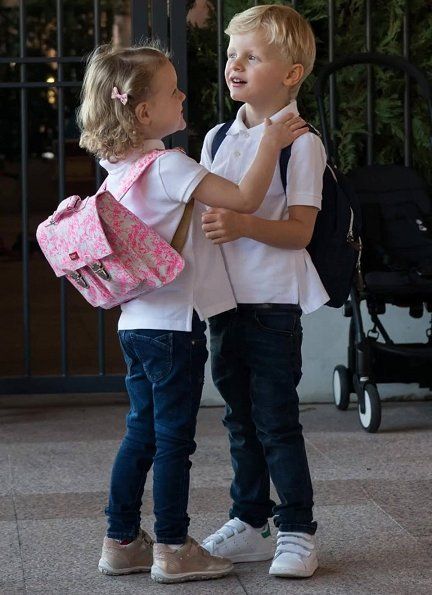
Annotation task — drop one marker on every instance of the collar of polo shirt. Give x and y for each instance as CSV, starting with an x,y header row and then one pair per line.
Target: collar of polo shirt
x,y
239,126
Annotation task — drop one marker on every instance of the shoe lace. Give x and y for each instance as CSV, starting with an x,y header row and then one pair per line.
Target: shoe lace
x,y
146,537
300,545
231,528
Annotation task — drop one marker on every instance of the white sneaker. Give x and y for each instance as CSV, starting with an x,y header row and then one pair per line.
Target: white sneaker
x,y
295,555
239,542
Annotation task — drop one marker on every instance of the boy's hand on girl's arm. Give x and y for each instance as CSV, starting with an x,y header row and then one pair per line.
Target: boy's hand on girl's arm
x,y
222,225
284,133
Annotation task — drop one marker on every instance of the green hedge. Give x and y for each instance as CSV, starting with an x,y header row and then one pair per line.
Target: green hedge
x,y
387,26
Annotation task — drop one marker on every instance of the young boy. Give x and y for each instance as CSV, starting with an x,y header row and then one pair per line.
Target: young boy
x,y
256,348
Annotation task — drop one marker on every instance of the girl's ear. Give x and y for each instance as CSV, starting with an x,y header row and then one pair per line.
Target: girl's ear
x,y
142,113
294,75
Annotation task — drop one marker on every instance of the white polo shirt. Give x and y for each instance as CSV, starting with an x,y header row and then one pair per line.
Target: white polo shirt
x,y
158,198
260,273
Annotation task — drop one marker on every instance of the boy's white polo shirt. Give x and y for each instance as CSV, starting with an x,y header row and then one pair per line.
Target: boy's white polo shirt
x,y
159,198
260,273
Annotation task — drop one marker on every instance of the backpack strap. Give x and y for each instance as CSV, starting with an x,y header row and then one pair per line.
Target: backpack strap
x,y
180,234
135,172
285,157
219,137
139,167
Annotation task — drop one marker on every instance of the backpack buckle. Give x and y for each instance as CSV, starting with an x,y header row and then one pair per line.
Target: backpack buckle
x,y
98,268
78,278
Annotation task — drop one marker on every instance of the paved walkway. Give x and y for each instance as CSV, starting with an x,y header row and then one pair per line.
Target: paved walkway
x,y
373,500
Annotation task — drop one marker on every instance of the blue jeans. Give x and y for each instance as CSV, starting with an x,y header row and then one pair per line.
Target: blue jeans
x,y
256,366
165,376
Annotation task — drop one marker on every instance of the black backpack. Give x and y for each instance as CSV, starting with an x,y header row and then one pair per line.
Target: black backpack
x,y
335,247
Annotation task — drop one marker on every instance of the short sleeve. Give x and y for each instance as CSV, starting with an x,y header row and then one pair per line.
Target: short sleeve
x,y
180,175
305,171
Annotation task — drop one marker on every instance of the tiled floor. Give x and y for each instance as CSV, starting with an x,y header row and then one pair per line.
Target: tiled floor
x,y
373,499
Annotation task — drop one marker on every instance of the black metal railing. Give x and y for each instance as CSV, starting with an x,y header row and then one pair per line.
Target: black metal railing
x,y
163,20
167,21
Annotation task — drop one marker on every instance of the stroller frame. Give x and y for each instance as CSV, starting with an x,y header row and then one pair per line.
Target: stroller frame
x,y
371,361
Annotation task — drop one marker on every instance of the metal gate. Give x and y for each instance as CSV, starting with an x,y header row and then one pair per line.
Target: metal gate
x,y
44,338
50,340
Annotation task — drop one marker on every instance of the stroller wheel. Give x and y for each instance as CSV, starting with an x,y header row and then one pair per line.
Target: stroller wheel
x,y
371,418
341,387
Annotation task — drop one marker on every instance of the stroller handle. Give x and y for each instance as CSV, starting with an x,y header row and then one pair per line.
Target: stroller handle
x,y
392,61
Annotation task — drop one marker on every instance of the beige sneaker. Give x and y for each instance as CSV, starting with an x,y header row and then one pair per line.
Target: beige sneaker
x,y
191,562
136,556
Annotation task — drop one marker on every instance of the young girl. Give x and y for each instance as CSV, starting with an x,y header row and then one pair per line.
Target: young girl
x,y
130,101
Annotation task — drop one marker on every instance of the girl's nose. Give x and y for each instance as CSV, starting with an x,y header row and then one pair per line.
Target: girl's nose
x,y
182,96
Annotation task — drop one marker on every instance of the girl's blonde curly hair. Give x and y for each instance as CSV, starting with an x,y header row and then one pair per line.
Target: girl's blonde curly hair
x,y
108,127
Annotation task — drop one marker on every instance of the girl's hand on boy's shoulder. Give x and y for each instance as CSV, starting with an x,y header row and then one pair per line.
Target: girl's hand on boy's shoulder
x,y
222,225
284,133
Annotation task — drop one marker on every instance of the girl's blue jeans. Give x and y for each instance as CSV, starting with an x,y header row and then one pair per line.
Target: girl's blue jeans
x,y
256,366
165,376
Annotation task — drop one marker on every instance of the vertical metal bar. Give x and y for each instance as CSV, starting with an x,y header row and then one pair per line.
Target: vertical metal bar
x,y
407,98
332,79
159,32
97,22
294,4
100,312
101,342
24,195
370,87
140,24
61,183
159,21
221,59
178,32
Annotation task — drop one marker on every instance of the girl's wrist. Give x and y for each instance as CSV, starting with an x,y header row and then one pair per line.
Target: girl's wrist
x,y
270,144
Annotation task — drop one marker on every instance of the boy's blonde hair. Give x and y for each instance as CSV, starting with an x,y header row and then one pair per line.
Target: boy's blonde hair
x,y
108,128
285,28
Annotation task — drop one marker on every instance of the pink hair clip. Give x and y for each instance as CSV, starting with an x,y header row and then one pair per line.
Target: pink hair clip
x,y
122,97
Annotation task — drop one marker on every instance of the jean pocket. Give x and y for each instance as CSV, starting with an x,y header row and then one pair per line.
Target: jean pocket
x,y
286,323
155,353
220,320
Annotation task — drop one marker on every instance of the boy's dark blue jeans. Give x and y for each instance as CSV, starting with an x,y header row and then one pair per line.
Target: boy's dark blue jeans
x,y
165,376
256,366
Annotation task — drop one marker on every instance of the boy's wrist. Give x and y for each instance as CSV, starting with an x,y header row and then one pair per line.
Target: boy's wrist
x,y
245,225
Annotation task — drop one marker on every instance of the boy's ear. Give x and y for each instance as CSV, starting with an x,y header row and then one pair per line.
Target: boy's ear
x,y
142,113
294,75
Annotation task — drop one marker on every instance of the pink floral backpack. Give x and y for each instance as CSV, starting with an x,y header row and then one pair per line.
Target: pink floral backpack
x,y
107,252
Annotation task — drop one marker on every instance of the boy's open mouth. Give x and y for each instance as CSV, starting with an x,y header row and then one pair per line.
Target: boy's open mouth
x,y
236,81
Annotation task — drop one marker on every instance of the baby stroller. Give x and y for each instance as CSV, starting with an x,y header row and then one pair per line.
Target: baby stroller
x,y
396,265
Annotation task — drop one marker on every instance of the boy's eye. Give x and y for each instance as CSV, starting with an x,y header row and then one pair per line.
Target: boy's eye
x,y
231,56
251,57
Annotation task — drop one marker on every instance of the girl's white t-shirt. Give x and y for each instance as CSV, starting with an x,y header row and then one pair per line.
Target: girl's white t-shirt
x,y
260,273
159,198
